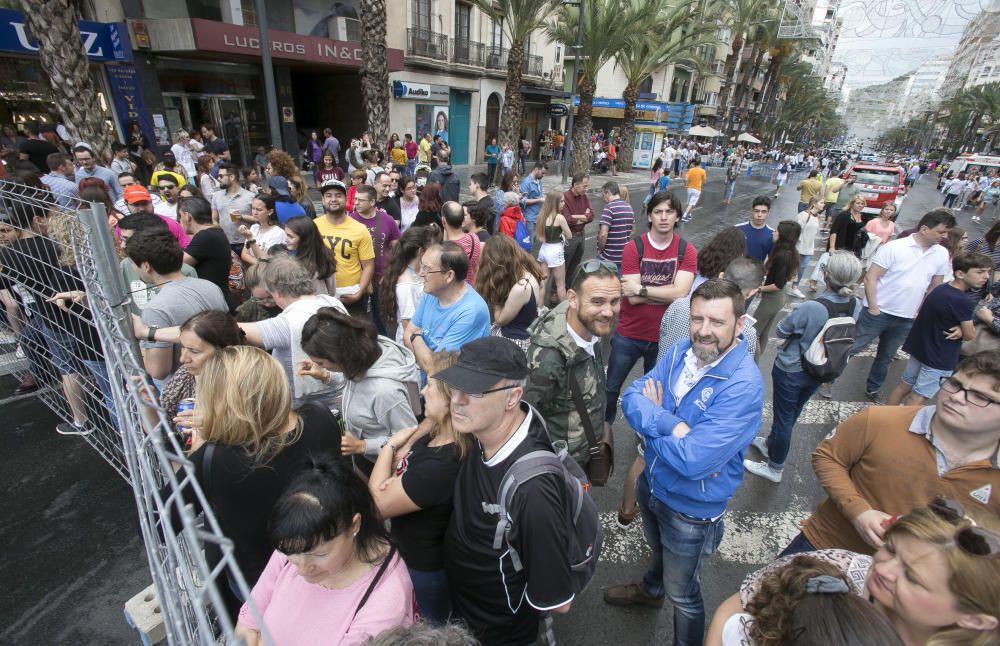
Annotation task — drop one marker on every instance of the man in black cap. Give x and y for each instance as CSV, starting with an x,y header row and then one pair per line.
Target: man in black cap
x,y
501,605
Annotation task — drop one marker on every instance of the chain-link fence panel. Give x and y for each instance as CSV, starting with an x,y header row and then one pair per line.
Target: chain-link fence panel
x,y
67,310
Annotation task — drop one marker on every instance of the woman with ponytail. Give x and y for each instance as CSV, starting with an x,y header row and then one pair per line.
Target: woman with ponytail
x,y
402,287
381,393
334,577
792,386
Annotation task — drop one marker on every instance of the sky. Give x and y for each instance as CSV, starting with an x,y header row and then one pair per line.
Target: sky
x,y
883,39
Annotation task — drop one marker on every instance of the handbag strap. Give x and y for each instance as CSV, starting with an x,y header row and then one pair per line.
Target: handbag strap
x,y
581,409
378,577
206,468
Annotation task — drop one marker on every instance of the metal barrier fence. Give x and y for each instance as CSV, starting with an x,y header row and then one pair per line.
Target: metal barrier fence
x,y
81,350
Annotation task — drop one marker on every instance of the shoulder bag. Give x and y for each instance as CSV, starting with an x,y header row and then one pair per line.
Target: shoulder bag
x,y
601,451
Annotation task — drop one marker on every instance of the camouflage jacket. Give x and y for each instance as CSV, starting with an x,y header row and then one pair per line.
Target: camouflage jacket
x,y
552,354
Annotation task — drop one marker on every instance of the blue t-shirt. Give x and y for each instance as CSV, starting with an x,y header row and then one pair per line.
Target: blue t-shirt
x,y
663,183
531,188
943,309
285,211
759,241
451,327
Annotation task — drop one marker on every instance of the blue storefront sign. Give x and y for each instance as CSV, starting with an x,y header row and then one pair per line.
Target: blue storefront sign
x,y
675,116
103,41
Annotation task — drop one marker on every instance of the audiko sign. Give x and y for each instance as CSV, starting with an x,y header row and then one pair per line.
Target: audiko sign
x,y
420,91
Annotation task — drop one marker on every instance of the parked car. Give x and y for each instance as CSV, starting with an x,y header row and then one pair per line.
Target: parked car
x,y
880,184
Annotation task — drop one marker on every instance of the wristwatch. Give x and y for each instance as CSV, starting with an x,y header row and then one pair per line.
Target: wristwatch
x,y
250,243
414,336
643,291
151,333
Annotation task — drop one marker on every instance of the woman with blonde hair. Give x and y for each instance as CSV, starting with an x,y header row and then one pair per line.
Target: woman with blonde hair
x,y
182,153
936,578
413,483
553,230
247,443
509,281
300,193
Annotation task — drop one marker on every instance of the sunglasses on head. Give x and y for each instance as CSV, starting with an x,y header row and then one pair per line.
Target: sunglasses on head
x,y
971,539
593,266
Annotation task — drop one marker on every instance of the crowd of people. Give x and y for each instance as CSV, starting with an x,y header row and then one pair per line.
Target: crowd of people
x,y
402,399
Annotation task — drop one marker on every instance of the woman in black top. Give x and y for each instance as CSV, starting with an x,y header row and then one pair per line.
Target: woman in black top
x,y
782,266
246,445
413,483
846,226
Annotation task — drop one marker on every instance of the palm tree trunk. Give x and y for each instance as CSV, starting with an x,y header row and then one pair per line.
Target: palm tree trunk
x,y
627,137
743,88
64,60
732,65
770,90
513,101
375,70
583,125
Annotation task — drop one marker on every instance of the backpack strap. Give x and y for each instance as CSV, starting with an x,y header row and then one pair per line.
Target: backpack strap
x,y
527,467
378,577
581,409
640,249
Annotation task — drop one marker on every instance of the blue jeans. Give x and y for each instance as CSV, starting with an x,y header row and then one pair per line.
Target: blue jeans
x,y
679,544
375,312
99,371
730,189
491,171
798,545
790,391
433,596
624,353
890,331
803,265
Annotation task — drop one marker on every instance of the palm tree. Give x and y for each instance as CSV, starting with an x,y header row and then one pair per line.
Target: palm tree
x,y
375,69
980,104
518,19
675,31
607,25
64,60
737,16
781,52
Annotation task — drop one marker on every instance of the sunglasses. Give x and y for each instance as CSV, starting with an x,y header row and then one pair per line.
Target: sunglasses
x,y
973,540
593,266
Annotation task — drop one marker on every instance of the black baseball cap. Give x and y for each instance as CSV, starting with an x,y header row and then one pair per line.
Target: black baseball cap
x,y
484,362
332,184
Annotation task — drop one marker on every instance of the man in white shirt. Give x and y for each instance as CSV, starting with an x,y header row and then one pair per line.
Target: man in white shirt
x,y
902,273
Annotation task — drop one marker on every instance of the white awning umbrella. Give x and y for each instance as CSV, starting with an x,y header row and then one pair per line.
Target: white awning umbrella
x,y
747,137
703,131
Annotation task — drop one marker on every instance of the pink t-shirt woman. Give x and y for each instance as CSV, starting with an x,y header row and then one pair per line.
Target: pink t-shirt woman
x,y
884,228
298,612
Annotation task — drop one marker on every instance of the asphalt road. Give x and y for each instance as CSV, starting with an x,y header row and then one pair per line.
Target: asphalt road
x,y
71,555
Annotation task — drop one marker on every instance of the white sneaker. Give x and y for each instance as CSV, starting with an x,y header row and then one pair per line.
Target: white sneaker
x,y
760,443
796,292
762,469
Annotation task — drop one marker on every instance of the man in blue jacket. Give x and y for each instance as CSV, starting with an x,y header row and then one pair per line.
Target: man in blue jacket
x,y
697,412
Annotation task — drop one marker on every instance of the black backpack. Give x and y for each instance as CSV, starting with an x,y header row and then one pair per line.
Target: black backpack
x,y
640,250
826,357
586,532
860,242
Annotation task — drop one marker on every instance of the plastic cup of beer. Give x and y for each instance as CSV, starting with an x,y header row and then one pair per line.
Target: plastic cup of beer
x,y
235,216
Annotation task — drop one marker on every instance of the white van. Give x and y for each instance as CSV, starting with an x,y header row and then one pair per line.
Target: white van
x,y
983,163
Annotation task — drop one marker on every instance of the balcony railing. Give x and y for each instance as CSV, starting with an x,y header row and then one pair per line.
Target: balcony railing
x,y
532,65
426,43
496,58
467,52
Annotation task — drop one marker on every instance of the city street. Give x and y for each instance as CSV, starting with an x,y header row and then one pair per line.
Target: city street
x,y
72,555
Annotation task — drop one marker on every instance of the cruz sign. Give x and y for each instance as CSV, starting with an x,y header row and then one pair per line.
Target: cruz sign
x,y
102,41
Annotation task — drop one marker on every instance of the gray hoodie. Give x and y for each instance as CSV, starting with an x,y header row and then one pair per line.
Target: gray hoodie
x,y
378,404
451,186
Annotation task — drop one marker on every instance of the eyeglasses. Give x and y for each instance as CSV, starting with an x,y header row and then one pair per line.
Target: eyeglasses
x,y
593,266
424,269
973,540
491,390
952,385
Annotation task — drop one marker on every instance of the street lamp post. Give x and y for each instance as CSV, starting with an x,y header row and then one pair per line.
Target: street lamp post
x,y
270,94
576,76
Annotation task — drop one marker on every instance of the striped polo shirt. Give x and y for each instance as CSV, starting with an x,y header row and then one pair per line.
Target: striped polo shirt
x,y
619,218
